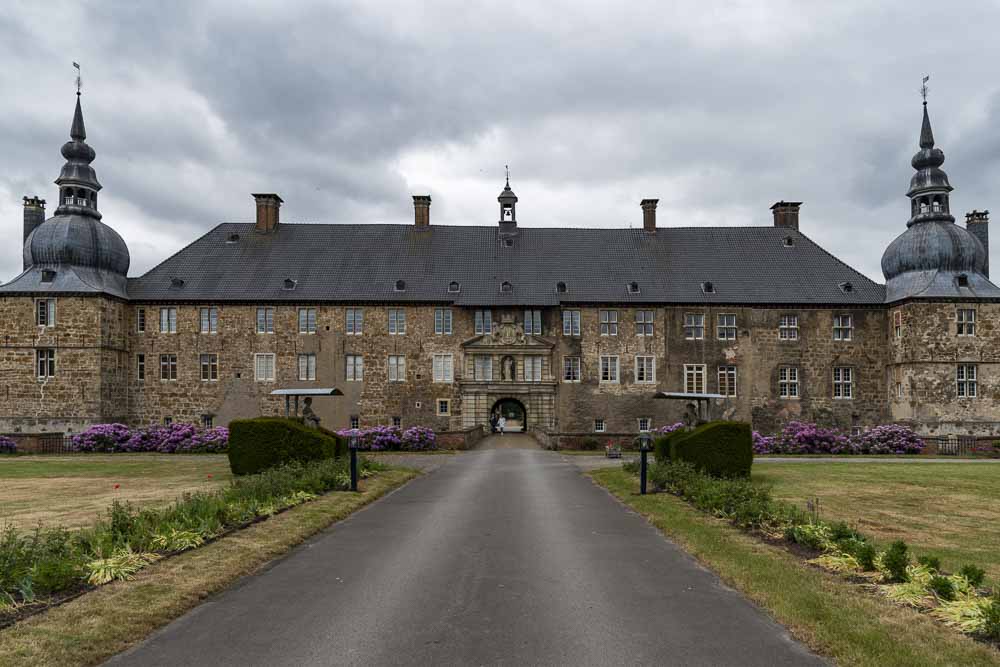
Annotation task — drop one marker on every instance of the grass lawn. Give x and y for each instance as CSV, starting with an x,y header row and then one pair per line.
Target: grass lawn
x,y
831,615
74,490
948,510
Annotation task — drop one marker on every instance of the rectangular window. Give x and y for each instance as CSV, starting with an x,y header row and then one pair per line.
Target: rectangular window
x,y
307,366
843,382
397,421
355,368
966,376
644,424
599,426
483,367
533,368
209,367
897,323
533,322
45,313
355,421
265,320
442,321
264,367
571,323
788,327
443,407
397,368
645,369
207,421
397,321
727,380
209,319
443,368
788,382
46,363
694,378
843,327
899,390
966,318
725,327
694,326
355,321
140,320
571,369
609,322
168,366
140,367
643,323
168,320
609,368
307,320
484,322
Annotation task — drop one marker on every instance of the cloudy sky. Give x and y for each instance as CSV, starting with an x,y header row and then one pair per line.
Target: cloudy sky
x,y
346,109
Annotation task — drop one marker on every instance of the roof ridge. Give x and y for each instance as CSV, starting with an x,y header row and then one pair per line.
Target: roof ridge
x,y
167,259
840,261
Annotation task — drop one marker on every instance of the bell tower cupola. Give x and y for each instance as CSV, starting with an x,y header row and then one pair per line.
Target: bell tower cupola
x,y
78,184
929,187
508,212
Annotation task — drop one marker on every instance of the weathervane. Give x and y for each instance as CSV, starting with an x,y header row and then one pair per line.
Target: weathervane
x,y
507,169
923,87
79,80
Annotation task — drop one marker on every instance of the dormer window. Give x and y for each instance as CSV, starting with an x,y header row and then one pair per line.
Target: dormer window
x,y
561,287
788,241
707,287
454,287
233,238
633,287
846,287
508,243
962,280
48,275
400,285
290,284
176,282
506,287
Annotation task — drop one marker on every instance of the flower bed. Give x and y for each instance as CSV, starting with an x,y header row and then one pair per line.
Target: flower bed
x,y
7,446
386,438
172,439
805,438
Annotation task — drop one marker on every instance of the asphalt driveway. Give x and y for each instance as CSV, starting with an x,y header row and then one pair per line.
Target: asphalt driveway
x,y
498,557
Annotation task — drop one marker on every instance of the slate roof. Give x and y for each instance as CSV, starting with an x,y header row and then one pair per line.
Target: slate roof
x,y
363,262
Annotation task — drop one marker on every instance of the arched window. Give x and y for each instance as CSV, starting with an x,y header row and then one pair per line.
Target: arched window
x,y
936,205
923,207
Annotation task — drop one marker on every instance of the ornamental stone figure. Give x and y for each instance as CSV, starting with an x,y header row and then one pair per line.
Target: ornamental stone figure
x,y
309,418
507,368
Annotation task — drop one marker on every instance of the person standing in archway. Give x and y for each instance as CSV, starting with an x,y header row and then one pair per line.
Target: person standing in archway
x,y
501,423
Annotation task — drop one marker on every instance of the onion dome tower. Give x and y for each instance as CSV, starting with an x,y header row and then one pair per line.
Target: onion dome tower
x,y
73,251
934,257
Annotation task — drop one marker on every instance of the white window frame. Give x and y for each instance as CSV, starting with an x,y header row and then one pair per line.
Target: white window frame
x,y
443,367
572,367
694,378
644,322
397,322
140,367
307,320
354,368
965,322
45,363
571,322
843,327
307,366
694,326
265,320
266,374
788,382
727,378
725,326
967,380
843,383
610,369
354,321
45,312
354,421
208,320
442,321
532,322
446,402
533,366
480,363
484,322
140,320
600,426
168,320
897,323
168,361
647,426
788,327
209,360
644,375
396,365
609,322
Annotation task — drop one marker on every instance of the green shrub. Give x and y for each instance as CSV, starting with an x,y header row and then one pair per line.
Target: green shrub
x,y
590,444
661,446
942,587
841,532
932,563
746,504
974,575
721,449
895,560
815,536
991,617
862,550
258,444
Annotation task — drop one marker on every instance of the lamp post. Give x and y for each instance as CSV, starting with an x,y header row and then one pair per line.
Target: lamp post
x,y
645,442
353,447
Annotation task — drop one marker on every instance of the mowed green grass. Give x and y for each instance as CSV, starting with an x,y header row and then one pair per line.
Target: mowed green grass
x,y
951,510
73,491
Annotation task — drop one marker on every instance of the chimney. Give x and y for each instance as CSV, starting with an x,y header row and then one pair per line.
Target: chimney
x,y
786,214
267,212
422,211
975,221
34,215
649,215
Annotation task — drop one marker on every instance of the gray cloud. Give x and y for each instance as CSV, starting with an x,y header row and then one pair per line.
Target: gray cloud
x,y
346,109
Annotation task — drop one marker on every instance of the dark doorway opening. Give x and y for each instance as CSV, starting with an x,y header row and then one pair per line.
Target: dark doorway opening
x,y
514,412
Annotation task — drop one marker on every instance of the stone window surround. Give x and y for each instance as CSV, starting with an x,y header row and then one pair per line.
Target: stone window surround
x,y
354,368
788,382
600,426
609,322
45,312
443,367
694,378
647,426
396,368
725,326
268,372
484,322
843,383
140,367
396,320
843,327
572,366
727,377
644,322
168,320
443,403
168,367
307,320
208,320
694,326
650,377
209,362
532,322
897,323
533,368
571,322
45,363
482,367
967,380
965,322
613,364
442,321
309,359
788,327
140,320
354,321
264,319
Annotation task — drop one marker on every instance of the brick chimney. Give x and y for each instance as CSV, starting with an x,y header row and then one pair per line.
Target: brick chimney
x,y
977,222
34,215
786,214
267,212
422,211
649,215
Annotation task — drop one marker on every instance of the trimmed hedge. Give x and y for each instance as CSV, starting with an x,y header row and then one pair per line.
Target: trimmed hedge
x,y
662,445
722,449
265,442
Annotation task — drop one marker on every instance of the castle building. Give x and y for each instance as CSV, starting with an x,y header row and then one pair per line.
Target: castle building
x,y
570,331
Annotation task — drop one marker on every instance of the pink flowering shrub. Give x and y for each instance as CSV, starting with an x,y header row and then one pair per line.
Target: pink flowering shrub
x,y
663,430
889,439
175,438
102,438
763,444
7,446
805,438
382,438
419,438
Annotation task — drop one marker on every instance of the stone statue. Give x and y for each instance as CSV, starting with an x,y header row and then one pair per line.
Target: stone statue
x,y
309,418
507,368
691,417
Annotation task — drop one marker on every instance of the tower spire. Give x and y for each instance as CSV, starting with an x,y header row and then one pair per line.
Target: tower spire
x,y
929,187
78,184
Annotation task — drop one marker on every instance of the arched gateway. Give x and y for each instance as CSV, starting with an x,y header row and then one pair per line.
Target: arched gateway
x,y
515,413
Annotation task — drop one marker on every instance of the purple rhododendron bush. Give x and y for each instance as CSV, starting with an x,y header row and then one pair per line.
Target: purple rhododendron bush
x,y
806,438
7,446
172,439
384,438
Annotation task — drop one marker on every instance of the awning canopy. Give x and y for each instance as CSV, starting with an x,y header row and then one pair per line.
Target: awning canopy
x,y
308,391
686,397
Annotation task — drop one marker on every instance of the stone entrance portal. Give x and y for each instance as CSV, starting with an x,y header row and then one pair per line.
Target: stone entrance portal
x,y
515,413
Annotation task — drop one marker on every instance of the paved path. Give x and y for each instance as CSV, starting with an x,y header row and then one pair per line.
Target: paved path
x,y
498,557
